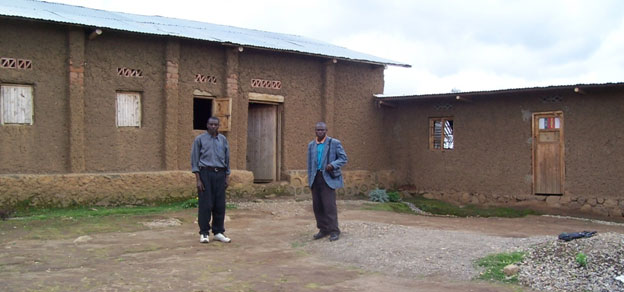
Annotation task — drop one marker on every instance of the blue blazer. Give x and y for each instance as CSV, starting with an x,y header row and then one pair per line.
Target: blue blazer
x,y
337,158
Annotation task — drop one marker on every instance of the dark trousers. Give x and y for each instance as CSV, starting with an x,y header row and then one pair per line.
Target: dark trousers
x,y
324,205
211,202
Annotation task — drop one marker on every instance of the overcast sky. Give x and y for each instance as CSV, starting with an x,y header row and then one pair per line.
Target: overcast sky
x,y
451,45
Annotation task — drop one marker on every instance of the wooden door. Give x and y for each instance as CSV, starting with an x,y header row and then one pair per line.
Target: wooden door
x,y
548,153
262,143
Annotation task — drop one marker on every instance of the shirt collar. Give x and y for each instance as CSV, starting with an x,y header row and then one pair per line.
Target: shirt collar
x,y
322,141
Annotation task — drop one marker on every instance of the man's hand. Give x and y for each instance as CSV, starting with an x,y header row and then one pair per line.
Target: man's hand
x,y
200,186
329,167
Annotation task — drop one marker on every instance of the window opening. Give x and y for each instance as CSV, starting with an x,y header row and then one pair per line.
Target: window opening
x,y
16,104
202,110
549,123
128,109
442,134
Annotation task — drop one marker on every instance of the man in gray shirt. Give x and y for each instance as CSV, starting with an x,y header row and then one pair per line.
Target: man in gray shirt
x,y
210,161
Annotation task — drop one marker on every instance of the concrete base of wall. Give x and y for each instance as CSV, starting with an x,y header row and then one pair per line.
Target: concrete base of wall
x,y
605,208
113,189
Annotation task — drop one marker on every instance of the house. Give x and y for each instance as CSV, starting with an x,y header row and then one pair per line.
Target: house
x,y
555,147
101,107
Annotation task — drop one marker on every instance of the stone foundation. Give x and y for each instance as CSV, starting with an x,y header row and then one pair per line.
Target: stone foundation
x,y
565,205
109,189
139,188
357,183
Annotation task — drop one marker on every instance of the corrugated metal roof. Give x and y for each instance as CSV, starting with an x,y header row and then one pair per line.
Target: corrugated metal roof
x,y
157,25
581,87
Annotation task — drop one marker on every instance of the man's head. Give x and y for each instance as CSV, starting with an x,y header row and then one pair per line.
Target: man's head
x,y
213,126
320,130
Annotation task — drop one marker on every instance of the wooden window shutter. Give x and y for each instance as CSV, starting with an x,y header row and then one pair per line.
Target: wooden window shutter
x,y
128,109
223,111
16,102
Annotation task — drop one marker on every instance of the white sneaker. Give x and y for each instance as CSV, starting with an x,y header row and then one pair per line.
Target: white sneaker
x,y
222,238
204,238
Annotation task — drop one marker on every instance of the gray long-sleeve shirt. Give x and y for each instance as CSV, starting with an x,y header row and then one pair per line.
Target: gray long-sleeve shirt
x,y
209,151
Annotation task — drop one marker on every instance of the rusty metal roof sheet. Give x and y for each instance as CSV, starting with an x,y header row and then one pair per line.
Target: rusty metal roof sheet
x,y
579,88
157,25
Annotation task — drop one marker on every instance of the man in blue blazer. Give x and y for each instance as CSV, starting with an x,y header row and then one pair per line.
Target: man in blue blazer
x,y
326,156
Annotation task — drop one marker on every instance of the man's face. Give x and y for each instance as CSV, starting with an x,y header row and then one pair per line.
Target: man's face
x,y
213,126
321,130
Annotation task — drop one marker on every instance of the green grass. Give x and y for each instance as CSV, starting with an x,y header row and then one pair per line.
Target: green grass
x,y
443,208
388,206
78,212
62,223
493,266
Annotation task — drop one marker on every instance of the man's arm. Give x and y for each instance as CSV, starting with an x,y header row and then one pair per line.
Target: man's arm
x,y
341,156
195,152
227,161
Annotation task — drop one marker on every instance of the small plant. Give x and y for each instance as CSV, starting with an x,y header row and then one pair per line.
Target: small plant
x,y
378,195
190,203
394,196
581,259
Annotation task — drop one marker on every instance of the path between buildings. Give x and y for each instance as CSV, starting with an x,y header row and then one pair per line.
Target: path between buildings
x,y
271,250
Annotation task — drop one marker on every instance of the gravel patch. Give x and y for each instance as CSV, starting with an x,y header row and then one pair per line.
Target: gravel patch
x,y
411,251
552,266
408,251
290,208
396,249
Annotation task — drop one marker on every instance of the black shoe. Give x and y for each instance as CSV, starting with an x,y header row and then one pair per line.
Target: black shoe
x,y
319,235
334,237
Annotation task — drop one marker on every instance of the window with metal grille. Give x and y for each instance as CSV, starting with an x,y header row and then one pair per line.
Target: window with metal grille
x,y
128,109
16,104
441,134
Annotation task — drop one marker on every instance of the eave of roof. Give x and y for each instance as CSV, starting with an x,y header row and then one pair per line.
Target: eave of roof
x,y
579,88
163,26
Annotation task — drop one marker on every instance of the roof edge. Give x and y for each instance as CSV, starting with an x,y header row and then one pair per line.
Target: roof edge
x,y
579,88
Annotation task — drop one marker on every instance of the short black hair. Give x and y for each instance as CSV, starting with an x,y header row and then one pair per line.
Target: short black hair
x,y
213,118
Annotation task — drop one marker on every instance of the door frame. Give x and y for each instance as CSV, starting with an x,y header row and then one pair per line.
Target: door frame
x,y
277,101
535,131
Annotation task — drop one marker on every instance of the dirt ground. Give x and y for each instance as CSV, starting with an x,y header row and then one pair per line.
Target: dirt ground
x,y
271,250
